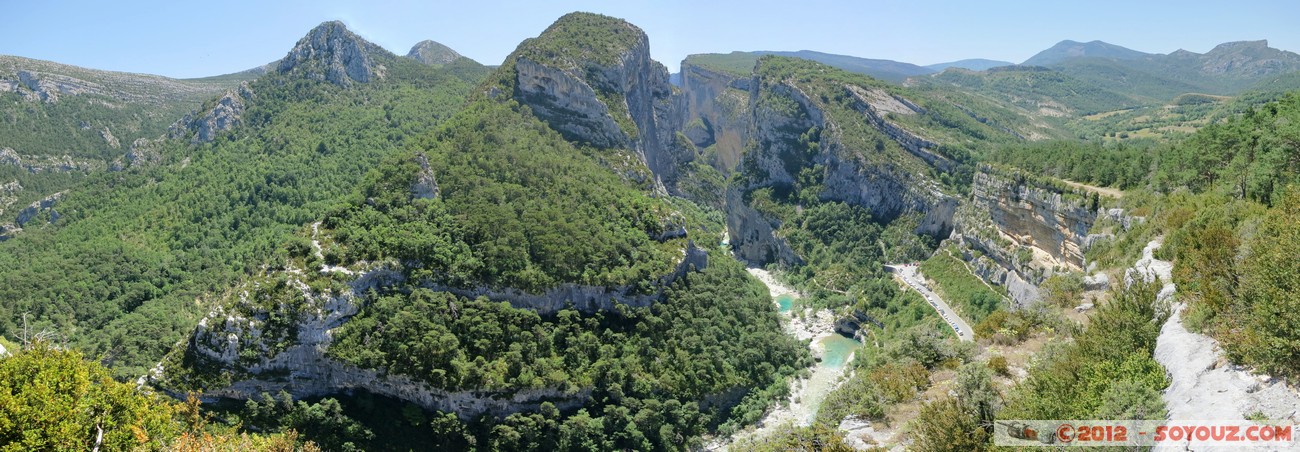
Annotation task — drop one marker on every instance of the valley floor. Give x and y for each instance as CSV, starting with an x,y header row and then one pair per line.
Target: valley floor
x,y
806,394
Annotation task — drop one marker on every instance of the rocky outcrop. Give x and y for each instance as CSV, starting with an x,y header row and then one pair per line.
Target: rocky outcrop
x,y
266,357
752,235
888,191
43,87
874,104
585,298
38,164
43,206
1016,232
432,53
332,53
143,151
1032,216
568,104
1202,384
221,116
109,139
8,192
425,185
33,211
10,157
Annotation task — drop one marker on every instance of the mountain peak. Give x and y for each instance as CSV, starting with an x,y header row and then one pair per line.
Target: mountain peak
x,y
333,53
585,37
1068,49
431,52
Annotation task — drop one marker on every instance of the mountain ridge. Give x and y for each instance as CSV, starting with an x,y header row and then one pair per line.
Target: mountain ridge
x,y
974,64
1067,49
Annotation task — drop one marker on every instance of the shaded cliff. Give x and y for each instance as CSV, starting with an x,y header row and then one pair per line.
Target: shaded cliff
x,y
798,129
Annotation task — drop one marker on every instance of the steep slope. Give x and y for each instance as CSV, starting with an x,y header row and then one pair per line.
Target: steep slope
x,y
800,131
606,95
334,54
1068,49
743,62
63,122
521,261
154,238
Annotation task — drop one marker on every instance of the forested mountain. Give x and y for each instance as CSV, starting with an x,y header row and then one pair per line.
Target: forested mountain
x,y
119,270
59,123
1067,50
522,251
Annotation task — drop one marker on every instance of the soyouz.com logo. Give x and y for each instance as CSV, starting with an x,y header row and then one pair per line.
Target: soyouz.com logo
x,y
1093,433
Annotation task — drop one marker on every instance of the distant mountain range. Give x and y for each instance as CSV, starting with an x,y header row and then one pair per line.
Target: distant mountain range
x,y
743,63
974,64
1066,50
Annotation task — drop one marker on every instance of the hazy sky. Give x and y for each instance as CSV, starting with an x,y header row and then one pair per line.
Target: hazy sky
x,y
178,39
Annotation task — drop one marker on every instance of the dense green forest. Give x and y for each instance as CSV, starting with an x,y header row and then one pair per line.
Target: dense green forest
x,y
649,369
119,273
515,209
519,207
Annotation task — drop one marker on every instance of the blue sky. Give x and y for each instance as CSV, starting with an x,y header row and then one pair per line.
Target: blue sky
x,y
178,39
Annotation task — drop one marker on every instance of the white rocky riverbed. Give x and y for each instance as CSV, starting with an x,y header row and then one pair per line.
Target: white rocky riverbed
x,y
806,394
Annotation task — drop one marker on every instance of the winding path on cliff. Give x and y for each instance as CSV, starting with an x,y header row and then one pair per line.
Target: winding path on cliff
x,y
911,275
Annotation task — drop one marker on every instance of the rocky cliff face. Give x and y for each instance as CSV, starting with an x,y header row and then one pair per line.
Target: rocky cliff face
x,y
43,206
619,100
717,106
38,164
332,53
265,356
1023,232
584,298
788,132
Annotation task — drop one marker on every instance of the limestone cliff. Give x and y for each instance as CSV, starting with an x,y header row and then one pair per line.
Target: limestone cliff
x,y
1016,232
789,134
265,346
717,106
267,357
43,206
612,97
